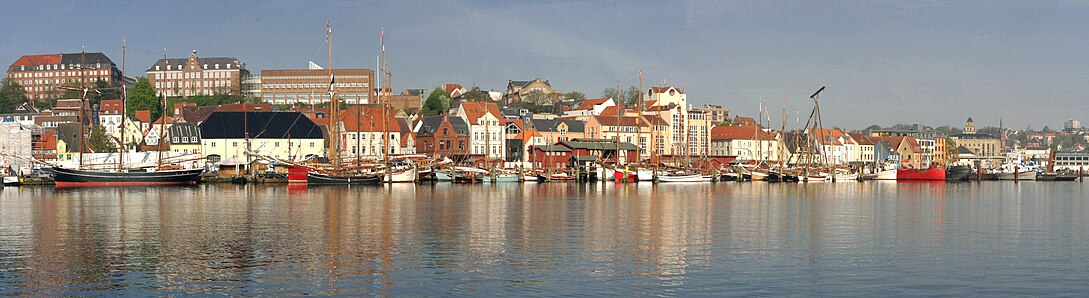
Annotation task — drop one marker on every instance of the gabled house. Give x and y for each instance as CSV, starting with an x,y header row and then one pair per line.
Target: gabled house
x,y
486,128
520,91
590,107
748,143
225,136
365,132
443,136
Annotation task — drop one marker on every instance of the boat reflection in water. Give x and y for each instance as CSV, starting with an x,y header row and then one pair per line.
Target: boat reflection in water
x,y
509,239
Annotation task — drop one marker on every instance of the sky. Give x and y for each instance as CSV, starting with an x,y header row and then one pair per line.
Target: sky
x,y
883,62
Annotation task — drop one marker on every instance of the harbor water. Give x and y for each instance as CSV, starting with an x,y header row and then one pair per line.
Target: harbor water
x,y
558,239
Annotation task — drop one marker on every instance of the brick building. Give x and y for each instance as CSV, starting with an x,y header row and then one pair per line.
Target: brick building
x,y
290,86
197,76
443,136
43,75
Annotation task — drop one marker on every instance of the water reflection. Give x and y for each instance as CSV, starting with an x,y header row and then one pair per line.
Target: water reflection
x,y
547,239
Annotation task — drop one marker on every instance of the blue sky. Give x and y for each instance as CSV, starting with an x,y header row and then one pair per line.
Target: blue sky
x,y
887,62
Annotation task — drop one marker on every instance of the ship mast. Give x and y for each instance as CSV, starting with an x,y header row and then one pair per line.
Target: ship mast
x,y
638,121
162,117
124,111
82,101
334,107
619,110
385,105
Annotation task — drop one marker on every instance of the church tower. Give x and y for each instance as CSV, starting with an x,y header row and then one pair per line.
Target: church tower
x,y
969,127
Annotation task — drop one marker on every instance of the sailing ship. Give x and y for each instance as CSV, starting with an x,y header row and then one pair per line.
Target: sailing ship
x,y
120,176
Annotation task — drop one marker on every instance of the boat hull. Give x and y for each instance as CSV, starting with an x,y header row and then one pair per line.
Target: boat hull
x,y
958,173
684,178
924,174
1019,176
1056,177
324,179
885,175
80,178
12,181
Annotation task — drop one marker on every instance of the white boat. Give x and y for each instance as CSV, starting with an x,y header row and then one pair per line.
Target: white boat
x,y
11,181
401,177
500,178
644,175
886,175
680,178
443,176
846,176
1023,175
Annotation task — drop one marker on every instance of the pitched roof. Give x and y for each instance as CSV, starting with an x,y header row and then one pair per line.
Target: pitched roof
x,y
169,120
431,125
550,125
449,88
260,125
188,130
210,61
143,116
35,60
665,89
368,118
550,148
740,133
476,109
623,121
862,139
598,144
590,103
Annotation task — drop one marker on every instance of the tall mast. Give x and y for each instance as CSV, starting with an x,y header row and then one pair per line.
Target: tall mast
x,y
334,107
619,110
162,117
638,120
82,101
385,105
657,135
124,111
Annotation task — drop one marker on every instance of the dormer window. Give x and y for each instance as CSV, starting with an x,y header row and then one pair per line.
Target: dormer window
x,y
206,66
228,66
168,67
217,66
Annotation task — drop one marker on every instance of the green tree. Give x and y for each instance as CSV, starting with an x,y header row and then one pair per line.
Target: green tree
x,y
100,141
577,96
103,91
142,97
476,94
437,102
610,93
11,95
538,97
631,96
873,127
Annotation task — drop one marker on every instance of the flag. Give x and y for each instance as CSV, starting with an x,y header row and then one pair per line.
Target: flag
x,y
332,80
381,33
328,32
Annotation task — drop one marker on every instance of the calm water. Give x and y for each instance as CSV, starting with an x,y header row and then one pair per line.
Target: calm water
x,y
963,239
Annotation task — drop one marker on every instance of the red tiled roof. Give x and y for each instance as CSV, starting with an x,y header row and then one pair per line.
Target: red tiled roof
x,y
110,107
34,60
144,116
359,118
740,133
475,109
624,120
590,103
451,87
862,139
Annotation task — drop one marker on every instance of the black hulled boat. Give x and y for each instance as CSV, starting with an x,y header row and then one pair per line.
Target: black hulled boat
x,y
77,178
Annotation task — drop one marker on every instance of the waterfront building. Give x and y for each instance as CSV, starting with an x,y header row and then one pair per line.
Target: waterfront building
x,y
585,151
184,138
1068,161
559,130
366,133
518,91
519,138
981,144
283,135
442,136
747,143
311,86
66,111
485,128
699,133
837,146
866,149
550,157
43,75
905,149
193,75
630,129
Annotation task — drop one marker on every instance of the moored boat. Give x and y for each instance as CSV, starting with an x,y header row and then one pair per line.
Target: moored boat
x,y
933,173
1056,177
315,178
958,173
76,178
680,178
885,175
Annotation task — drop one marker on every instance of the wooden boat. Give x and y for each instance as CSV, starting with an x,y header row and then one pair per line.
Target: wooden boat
x,y
403,176
885,175
315,178
501,178
1052,177
77,178
680,178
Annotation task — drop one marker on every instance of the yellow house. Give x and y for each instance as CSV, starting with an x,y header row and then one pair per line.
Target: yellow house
x,y
226,136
